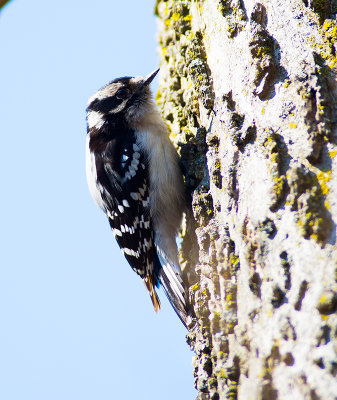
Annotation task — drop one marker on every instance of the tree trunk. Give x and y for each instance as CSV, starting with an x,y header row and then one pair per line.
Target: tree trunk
x,y
249,91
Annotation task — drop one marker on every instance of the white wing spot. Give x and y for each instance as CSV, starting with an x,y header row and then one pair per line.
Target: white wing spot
x,y
147,224
134,163
147,245
120,208
117,232
126,203
134,196
146,202
130,252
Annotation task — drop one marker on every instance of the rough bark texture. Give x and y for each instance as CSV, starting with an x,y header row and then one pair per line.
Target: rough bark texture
x,y
249,91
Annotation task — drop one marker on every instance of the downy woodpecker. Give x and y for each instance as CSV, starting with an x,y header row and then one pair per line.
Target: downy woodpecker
x,y
134,176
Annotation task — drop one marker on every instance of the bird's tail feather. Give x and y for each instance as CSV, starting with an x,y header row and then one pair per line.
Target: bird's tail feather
x,y
150,286
174,289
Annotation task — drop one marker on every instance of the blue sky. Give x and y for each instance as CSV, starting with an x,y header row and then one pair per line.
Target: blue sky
x,y
76,322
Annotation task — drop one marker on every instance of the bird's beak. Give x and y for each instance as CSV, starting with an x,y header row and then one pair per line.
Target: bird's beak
x,y
143,86
150,77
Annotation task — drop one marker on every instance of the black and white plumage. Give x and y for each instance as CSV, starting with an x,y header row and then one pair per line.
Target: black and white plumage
x,y
134,176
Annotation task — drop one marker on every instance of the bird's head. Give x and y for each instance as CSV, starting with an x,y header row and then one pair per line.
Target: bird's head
x,y
125,99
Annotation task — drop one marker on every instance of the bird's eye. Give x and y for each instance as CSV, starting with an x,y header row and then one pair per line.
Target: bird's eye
x,y
121,93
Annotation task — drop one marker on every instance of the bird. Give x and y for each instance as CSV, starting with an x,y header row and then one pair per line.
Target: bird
x,y
134,176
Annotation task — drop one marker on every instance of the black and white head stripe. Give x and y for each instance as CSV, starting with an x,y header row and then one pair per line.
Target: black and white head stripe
x,y
105,105
115,96
109,99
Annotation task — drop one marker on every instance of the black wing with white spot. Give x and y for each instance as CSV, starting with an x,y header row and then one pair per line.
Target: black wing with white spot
x,y
122,176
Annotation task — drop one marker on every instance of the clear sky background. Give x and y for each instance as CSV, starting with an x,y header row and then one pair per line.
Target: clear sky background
x,y
76,323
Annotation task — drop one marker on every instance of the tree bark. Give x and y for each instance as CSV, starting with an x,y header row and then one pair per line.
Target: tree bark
x,y
249,92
